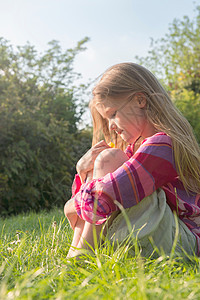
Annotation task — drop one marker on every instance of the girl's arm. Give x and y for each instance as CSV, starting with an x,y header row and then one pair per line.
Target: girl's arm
x,y
69,208
86,163
151,167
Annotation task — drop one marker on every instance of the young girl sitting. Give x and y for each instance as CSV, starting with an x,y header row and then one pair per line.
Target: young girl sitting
x,y
153,171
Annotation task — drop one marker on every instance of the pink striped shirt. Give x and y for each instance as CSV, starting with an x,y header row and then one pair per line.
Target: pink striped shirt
x,y
151,167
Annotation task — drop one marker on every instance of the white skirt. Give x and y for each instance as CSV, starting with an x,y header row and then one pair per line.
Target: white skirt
x,y
153,227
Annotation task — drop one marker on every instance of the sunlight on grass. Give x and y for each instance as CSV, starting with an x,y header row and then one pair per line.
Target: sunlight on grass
x,y
33,251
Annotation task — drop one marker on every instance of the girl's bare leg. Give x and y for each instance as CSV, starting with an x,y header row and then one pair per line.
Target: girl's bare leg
x,y
107,161
85,240
80,224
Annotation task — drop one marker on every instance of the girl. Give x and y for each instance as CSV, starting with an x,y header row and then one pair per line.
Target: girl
x,y
153,171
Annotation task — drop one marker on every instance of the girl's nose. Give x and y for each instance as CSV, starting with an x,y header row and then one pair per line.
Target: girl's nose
x,y
112,125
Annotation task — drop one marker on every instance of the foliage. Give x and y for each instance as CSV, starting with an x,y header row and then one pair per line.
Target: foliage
x,y
39,114
175,59
189,104
34,266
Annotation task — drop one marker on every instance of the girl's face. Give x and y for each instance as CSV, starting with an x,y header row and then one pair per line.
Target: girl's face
x,y
127,118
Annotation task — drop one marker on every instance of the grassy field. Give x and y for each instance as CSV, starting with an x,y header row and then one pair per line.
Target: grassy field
x,y
33,251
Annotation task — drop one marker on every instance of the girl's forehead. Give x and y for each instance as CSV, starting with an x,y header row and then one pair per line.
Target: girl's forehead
x,y
104,107
106,104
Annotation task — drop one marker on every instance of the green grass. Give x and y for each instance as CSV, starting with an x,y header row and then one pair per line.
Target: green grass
x,y
33,250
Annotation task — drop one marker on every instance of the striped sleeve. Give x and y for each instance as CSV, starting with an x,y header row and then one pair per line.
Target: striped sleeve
x,y
76,185
129,150
149,168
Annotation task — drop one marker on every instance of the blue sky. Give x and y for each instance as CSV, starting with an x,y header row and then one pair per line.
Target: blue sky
x,y
118,29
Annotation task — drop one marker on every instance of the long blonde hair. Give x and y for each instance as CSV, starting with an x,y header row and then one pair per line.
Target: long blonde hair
x,y
126,79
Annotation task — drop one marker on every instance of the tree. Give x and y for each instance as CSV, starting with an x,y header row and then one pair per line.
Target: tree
x,y
39,115
175,59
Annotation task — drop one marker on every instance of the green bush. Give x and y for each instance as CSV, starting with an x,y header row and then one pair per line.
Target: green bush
x,y
175,60
39,138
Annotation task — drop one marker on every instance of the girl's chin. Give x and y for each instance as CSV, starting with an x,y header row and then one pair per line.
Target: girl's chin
x,y
128,139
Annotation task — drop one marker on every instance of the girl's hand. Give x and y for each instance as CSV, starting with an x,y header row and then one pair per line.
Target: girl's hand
x,y
86,163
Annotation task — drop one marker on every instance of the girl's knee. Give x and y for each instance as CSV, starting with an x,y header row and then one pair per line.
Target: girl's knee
x,y
108,161
109,155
